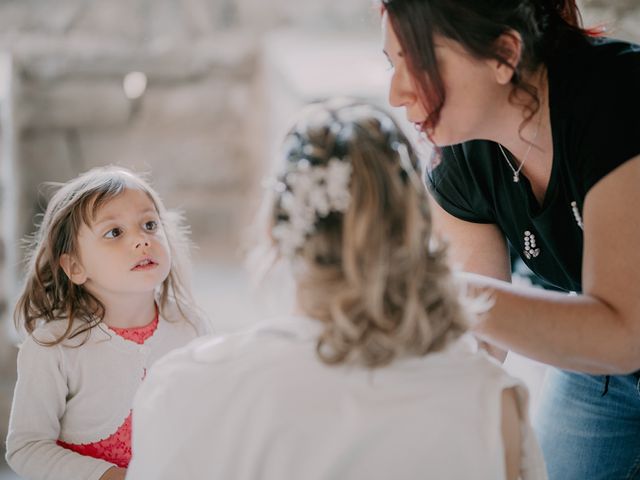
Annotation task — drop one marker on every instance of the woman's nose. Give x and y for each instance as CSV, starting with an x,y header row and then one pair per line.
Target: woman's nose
x,y
400,93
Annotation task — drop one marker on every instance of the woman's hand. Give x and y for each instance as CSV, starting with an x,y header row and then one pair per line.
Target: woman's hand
x,y
114,473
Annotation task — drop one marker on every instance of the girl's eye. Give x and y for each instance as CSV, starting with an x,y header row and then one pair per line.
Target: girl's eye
x,y
113,233
151,226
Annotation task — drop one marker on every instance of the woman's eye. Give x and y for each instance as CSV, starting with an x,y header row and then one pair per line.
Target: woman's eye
x,y
151,226
389,63
113,233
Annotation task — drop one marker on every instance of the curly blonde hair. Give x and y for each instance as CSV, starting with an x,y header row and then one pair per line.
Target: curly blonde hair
x,y
374,274
49,294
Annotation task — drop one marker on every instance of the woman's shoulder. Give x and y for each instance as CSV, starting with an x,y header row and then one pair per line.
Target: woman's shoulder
x,y
594,99
600,67
595,52
462,180
613,52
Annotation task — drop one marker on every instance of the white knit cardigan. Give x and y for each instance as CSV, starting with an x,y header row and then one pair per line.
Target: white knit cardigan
x,y
81,393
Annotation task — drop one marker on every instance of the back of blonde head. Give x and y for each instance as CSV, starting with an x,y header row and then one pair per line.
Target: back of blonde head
x,y
373,273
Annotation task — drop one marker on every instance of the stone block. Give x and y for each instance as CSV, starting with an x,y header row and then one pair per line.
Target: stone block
x,y
619,5
199,157
215,102
47,59
620,19
146,22
630,26
351,15
74,104
117,19
45,157
30,15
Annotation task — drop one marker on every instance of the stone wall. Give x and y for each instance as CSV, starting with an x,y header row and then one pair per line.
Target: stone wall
x,y
192,128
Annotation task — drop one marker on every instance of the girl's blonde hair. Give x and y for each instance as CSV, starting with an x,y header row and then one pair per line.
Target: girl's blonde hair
x,y
48,293
372,273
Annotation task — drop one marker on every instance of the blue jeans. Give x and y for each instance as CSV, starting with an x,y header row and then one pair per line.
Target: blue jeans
x,y
585,435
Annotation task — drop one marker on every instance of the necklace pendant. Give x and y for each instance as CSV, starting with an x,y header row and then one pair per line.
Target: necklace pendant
x,y
576,214
516,178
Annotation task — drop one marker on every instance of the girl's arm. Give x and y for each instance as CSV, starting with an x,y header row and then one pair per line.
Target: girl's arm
x,y
114,473
596,332
38,405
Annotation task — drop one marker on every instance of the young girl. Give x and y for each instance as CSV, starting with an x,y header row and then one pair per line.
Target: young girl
x,y
370,378
104,298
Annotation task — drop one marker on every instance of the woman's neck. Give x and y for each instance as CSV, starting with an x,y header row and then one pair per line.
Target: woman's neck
x,y
530,139
529,143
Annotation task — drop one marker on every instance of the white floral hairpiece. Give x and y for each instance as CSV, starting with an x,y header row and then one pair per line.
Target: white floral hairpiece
x,y
308,193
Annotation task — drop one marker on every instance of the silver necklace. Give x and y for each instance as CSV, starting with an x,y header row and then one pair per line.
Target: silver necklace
x,y
516,172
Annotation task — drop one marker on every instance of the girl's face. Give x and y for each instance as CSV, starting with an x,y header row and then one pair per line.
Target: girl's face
x,y
471,89
124,251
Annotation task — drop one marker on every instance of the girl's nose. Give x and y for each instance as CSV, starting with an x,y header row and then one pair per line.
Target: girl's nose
x,y
142,242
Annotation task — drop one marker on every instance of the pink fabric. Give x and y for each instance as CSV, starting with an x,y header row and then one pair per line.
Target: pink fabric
x,y
116,448
138,334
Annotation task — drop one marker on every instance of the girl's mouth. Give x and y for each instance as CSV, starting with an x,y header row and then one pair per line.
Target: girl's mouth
x,y
145,264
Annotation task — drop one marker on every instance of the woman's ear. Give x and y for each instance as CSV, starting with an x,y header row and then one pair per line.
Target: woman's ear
x,y
509,47
73,269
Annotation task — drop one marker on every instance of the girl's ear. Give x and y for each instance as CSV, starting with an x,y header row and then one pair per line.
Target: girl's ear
x,y
73,269
509,46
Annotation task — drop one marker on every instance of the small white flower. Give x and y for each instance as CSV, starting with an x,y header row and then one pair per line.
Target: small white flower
x,y
314,192
338,176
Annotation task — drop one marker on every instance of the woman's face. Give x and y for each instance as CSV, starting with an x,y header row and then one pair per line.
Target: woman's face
x,y
471,89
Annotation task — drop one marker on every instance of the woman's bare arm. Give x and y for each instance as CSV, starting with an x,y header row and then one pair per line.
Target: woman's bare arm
x,y
596,332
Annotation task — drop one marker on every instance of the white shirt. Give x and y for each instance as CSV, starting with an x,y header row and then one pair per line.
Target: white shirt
x,y
81,395
260,405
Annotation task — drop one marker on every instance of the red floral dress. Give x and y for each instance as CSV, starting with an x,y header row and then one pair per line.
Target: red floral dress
x,y
116,448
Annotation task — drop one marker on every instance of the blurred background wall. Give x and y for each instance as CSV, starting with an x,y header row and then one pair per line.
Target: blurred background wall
x,y
196,92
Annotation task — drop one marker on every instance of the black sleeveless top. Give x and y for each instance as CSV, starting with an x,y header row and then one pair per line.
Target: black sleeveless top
x,y
594,98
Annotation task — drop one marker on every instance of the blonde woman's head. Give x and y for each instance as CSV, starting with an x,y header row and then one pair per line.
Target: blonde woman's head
x,y
350,213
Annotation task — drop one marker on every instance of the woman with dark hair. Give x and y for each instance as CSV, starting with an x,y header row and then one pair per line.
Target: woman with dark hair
x,y
536,124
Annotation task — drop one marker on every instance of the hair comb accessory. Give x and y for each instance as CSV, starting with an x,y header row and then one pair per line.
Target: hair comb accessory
x,y
308,193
